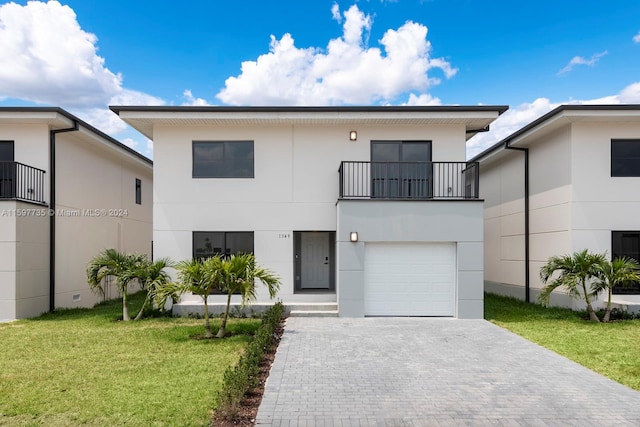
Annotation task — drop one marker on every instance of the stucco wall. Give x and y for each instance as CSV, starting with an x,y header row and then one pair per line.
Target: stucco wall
x,y
437,221
295,186
96,210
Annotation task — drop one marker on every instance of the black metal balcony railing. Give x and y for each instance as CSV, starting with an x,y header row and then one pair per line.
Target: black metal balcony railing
x,y
409,180
21,182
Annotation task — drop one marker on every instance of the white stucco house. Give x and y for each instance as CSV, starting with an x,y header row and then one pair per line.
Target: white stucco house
x,y
566,182
360,210
67,191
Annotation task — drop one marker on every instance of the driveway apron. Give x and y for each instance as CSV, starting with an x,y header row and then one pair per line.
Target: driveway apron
x,y
431,372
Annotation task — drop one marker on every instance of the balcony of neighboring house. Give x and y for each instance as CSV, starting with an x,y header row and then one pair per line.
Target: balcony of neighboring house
x,y
22,182
409,180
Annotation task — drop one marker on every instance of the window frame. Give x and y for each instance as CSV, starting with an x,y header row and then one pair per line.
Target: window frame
x,y
199,175
617,142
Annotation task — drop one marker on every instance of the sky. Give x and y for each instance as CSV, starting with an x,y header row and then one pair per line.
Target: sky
x,y
84,55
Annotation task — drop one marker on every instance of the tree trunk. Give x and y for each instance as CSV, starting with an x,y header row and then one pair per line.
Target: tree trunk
x,y
592,314
607,311
144,305
125,305
207,324
223,327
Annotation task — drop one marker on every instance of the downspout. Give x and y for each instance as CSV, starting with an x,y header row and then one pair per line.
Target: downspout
x,y
526,219
52,212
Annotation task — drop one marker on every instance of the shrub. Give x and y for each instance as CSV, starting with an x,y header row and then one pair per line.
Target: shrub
x,y
243,377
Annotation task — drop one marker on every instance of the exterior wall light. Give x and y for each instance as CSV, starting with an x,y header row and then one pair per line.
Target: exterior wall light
x,y
353,135
353,236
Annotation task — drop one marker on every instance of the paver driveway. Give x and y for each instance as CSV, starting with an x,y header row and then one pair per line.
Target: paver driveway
x,y
421,371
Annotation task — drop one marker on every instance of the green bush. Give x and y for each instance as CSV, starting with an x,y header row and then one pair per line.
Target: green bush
x,y
242,377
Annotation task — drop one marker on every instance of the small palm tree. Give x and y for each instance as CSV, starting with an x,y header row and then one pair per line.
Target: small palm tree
x,y
239,275
575,270
152,278
617,272
200,277
119,265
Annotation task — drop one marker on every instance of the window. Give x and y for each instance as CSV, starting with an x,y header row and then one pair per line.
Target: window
x,y
626,243
401,169
210,243
7,171
625,157
223,159
138,192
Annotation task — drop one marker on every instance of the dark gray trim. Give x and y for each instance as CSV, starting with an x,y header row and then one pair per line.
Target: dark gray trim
x,y
527,281
550,114
306,109
52,216
79,122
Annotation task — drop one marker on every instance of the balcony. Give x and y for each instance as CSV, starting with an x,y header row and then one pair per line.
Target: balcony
x,y
409,180
21,182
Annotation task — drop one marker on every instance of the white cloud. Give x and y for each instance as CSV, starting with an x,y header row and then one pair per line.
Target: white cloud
x,y
46,57
423,99
579,60
636,38
189,99
346,72
130,142
335,13
516,118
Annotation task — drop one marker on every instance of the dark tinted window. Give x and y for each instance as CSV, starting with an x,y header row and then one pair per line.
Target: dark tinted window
x,y
625,157
223,159
138,192
210,243
6,151
627,244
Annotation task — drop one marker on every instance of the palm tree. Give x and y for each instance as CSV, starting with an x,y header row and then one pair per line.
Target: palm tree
x,y
200,277
119,265
239,275
575,270
617,272
152,278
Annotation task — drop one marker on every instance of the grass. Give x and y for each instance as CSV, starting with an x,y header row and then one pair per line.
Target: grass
x,y
82,367
611,349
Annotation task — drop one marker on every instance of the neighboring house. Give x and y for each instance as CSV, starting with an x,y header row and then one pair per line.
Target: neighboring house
x,y
365,210
67,191
566,182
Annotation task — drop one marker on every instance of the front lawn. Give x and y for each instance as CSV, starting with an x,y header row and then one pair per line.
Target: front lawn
x,y
82,367
612,349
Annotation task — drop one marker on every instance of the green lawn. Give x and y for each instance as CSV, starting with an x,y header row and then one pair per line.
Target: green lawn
x,y
82,367
612,349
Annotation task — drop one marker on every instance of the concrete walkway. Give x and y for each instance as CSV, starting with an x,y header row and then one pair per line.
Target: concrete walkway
x,y
431,372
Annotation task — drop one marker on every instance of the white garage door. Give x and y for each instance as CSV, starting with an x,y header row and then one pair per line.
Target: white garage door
x,y
409,279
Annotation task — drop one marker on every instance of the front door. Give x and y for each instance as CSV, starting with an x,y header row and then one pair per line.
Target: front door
x,y
314,260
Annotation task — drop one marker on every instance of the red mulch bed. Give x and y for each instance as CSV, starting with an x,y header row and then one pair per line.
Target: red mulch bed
x,y
249,406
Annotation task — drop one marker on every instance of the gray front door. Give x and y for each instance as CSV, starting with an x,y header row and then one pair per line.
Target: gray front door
x,y
314,260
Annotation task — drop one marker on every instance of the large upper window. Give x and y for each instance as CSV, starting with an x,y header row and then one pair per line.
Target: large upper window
x,y
223,159
625,157
626,244
210,243
401,169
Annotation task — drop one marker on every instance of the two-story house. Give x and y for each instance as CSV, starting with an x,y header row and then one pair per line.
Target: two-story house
x,y
67,191
361,210
568,181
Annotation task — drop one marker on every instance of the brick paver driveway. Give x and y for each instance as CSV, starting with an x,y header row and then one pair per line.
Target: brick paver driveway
x,y
420,371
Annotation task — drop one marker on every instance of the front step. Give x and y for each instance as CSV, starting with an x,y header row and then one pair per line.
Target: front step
x,y
313,313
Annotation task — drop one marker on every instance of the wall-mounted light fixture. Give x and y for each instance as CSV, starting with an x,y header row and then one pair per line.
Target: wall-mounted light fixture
x,y
353,236
353,135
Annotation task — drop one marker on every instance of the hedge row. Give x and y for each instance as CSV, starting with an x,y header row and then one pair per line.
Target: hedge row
x,y
243,377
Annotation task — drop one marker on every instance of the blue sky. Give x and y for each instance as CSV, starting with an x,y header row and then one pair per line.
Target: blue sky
x,y
83,55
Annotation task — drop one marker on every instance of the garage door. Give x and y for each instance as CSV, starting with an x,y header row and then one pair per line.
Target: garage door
x,y
409,279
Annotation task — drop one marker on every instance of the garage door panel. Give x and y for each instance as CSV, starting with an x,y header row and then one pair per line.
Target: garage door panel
x,y
410,279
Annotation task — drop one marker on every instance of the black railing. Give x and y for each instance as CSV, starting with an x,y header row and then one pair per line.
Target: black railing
x,y
409,180
21,182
